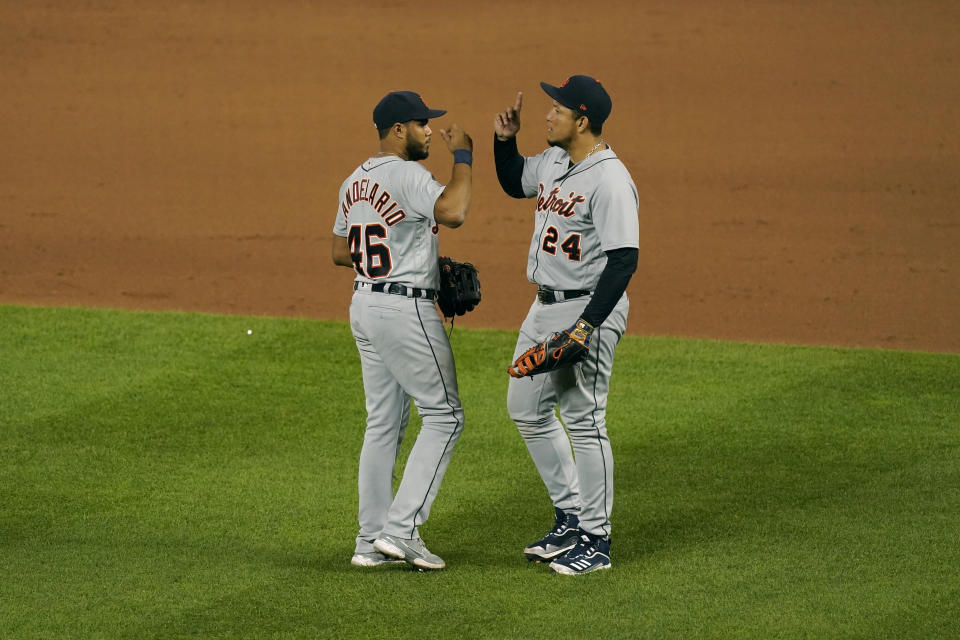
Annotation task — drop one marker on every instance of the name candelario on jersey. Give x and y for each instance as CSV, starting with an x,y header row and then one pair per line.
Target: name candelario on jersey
x,y
363,191
556,204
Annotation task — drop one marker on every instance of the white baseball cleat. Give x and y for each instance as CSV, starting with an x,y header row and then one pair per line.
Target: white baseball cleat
x,y
410,550
372,559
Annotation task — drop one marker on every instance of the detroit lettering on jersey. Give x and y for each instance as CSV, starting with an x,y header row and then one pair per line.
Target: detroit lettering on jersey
x,y
556,204
362,191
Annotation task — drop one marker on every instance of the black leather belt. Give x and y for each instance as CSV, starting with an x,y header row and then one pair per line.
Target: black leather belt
x,y
549,296
398,289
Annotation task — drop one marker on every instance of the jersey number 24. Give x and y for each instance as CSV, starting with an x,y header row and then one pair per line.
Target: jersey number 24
x,y
570,246
370,258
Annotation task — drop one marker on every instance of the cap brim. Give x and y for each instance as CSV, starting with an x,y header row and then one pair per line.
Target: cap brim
x,y
554,92
422,115
429,114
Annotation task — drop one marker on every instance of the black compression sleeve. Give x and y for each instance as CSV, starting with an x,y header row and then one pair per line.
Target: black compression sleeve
x,y
509,164
621,263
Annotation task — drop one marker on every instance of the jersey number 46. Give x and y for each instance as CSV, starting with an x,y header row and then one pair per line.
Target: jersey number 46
x,y
370,258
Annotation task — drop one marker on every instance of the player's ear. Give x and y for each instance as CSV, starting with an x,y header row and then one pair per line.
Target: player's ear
x,y
583,123
400,130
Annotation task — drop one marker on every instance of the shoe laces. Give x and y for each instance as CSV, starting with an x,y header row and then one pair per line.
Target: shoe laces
x,y
562,522
586,544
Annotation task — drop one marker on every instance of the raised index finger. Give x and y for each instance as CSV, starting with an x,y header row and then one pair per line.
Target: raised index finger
x,y
519,104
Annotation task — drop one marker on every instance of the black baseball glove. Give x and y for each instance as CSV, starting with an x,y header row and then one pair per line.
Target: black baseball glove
x,y
459,290
562,349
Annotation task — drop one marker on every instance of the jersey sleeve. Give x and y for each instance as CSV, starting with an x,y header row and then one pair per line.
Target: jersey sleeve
x,y
419,190
615,206
340,223
532,169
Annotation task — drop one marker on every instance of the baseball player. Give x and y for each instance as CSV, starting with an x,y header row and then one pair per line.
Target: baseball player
x,y
582,254
388,218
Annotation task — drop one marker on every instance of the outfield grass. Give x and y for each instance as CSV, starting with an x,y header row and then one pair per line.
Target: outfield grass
x,y
169,475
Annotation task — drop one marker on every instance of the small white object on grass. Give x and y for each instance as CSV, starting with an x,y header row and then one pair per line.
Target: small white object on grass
x,y
249,332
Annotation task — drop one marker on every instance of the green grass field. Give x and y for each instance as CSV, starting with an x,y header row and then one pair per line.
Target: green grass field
x,y
167,475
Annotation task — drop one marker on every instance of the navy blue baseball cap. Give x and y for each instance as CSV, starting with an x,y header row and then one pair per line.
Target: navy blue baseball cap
x,y
583,94
402,106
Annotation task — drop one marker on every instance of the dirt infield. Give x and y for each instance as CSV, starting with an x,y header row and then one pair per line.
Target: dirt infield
x,y
798,163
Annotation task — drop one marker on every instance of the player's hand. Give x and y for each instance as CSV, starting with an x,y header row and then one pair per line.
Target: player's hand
x,y
456,138
507,123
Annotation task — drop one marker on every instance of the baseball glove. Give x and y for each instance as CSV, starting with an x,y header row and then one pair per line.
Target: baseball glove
x,y
459,290
562,349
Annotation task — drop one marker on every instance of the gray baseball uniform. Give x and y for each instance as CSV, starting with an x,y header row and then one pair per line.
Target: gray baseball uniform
x,y
386,212
581,212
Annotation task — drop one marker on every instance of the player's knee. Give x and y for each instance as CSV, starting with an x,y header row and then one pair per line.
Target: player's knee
x,y
524,410
521,405
533,430
441,415
531,425
587,431
520,412
583,417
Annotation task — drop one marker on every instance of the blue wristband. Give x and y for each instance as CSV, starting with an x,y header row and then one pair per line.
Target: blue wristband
x,y
463,155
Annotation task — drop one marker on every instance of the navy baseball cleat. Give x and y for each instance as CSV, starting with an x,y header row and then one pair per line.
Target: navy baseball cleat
x,y
410,550
592,553
372,559
559,540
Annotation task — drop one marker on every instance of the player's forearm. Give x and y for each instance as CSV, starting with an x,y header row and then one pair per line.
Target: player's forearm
x,y
452,205
340,251
621,264
509,165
